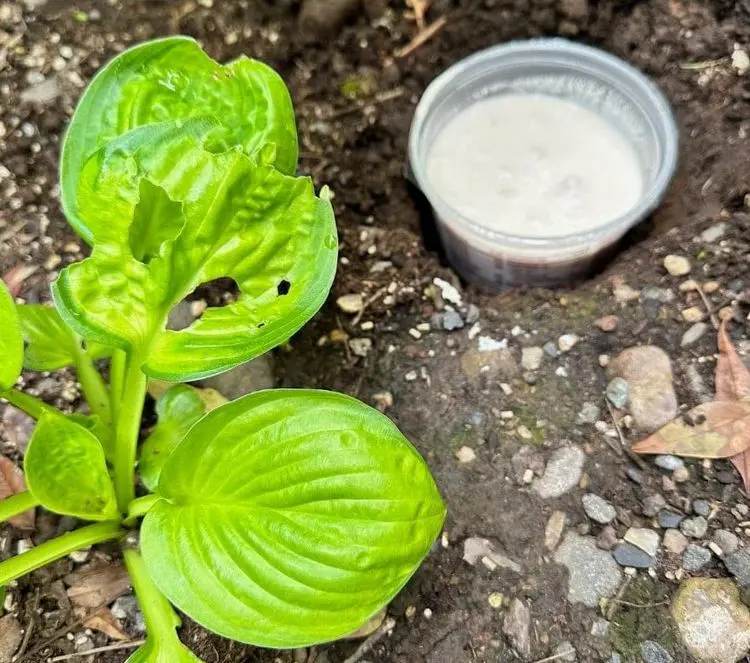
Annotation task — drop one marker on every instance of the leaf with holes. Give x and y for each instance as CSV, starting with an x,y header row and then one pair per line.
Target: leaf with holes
x,y
167,214
66,470
50,343
719,429
11,341
290,518
178,409
173,79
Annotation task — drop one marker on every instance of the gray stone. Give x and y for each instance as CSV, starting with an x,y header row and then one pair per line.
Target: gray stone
x,y
251,376
669,463
449,320
714,233
472,314
695,528
565,652
477,548
600,628
607,538
661,295
652,504
17,427
598,509
653,652
726,540
669,519
516,627
713,622
634,474
648,371
617,392
531,358
551,349
126,608
695,558
675,541
589,414
694,334
738,564
626,554
592,573
701,507
562,473
645,539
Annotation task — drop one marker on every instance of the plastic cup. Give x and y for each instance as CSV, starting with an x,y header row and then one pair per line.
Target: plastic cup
x,y
588,76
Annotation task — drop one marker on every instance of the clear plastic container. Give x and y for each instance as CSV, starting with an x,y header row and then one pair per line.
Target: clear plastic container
x,y
582,74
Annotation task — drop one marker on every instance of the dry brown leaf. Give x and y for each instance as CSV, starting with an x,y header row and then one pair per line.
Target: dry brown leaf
x,y
12,483
104,621
97,585
719,429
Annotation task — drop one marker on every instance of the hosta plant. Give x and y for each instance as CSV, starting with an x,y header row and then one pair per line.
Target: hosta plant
x,y
281,519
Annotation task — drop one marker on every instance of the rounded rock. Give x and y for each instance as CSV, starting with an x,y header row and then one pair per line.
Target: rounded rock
x,y
677,265
598,509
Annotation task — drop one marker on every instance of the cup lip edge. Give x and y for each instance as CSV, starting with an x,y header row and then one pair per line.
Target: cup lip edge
x,y
653,194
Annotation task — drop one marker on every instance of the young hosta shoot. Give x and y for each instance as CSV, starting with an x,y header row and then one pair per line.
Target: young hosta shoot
x,y
281,519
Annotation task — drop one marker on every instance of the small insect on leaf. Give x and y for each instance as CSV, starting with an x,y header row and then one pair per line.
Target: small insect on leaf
x,y
66,470
290,517
719,429
11,341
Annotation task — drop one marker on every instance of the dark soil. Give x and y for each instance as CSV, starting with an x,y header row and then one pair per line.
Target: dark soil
x,y
354,102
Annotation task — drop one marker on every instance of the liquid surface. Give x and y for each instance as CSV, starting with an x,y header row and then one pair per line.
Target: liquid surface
x,y
533,165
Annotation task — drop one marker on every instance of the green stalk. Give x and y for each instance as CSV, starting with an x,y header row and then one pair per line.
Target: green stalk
x,y
15,505
139,508
116,379
127,431
50,551
32,406
93,387
161,619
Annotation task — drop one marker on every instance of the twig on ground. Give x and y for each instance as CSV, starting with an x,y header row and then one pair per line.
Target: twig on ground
x,y
419,7
368,644
640,605
421,37
709,308
634,457
378,294
380,98
703,64
613,603
554,657
30,627
98,650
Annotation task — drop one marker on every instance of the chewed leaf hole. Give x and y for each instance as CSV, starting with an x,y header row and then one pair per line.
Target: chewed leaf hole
x,y
211,294
157,219
283,287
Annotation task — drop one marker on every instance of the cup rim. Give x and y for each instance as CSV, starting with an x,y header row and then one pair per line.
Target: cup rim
x,y
617,67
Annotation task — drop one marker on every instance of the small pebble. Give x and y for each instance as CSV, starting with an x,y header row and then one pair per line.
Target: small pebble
x,y
645,539
360,346
694,334
449,320
695,528
465,455
626,554
352,303
677,265
695,558
692,314
607,324
701,507
740,60
710,287
617,392
551,349
727,541
714,233
653,652
688,286
669,463
567,341
669,519
634,474
681,475
675,541
589,414
598,509
652,504
607,538
531,358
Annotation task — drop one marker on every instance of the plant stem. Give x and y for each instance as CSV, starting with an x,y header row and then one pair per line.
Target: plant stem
x,y
93,387
161,619
29,404
128,428
16,505
116,379
139,507
50,551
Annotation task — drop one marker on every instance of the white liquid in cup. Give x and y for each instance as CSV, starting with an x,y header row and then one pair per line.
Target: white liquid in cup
x,y
533,165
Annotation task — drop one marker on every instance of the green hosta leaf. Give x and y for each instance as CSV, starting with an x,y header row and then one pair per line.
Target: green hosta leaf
x,y
11,341
173,79
102,432
219,215
50,343
290,518
66,470
178,409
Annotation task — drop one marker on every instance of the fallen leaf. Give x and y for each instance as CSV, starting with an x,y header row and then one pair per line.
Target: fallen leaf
x,y
97,585
719,429
210,397
104,621
732,378
733,383
16,275
12,483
